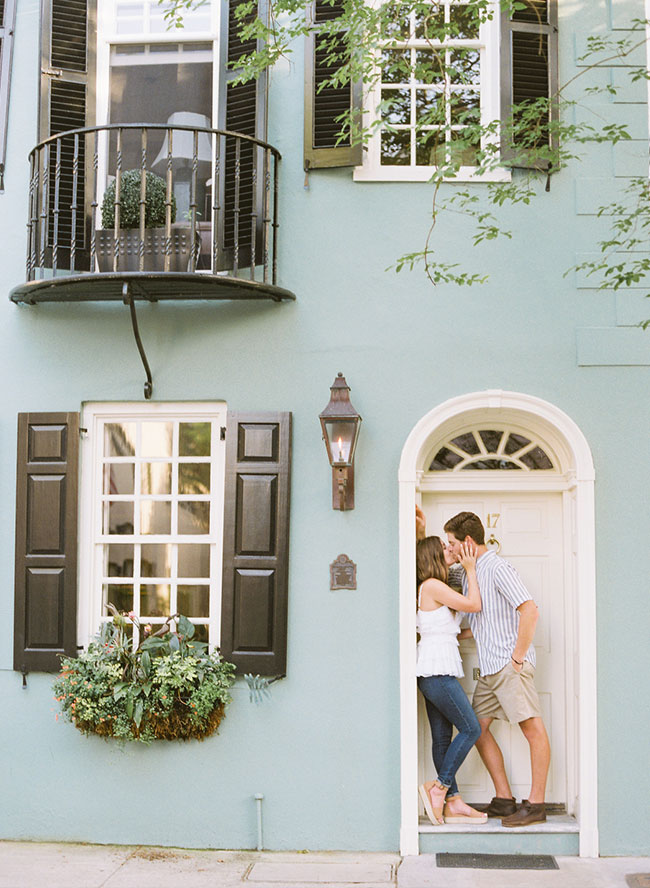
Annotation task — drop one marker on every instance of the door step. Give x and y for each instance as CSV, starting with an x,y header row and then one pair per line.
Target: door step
x,y
555,823
560,835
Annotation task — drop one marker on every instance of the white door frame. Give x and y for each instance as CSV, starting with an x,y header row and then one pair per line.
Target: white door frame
x,y
578,483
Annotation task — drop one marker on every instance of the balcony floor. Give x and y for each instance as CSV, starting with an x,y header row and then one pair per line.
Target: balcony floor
x,y
149,286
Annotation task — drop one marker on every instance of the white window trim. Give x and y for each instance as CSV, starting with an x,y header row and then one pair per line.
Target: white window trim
x,y
371,170
93,416
107,37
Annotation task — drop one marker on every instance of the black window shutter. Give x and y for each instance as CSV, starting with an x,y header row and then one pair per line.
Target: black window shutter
x,y
529,71
45,615
68,42
242,109
7,25
324,105
256,542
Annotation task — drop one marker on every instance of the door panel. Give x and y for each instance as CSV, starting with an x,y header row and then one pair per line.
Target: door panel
x,y
529,529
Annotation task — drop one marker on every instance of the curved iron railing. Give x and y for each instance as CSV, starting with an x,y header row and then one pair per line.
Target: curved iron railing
x,y
224,184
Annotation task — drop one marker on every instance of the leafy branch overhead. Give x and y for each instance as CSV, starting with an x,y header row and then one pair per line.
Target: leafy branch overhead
x,y
421,42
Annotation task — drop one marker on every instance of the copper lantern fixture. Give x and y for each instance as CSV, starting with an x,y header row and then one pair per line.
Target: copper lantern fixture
x,y
340,424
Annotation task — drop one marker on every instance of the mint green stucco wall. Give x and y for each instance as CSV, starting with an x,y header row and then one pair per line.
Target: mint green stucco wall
x,y
325,749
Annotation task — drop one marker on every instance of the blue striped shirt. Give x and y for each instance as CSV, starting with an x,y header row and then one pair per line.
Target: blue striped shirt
x,y
496,625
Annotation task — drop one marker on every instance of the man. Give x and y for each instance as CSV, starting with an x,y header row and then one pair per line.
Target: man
x,y
503,629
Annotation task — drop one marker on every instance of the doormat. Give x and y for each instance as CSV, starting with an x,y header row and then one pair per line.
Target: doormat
x,y
638,880
498,861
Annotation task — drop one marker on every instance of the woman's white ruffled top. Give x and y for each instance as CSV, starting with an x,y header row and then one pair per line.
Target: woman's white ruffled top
x,y
437,652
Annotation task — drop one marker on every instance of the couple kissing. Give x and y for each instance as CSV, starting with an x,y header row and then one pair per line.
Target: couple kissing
x,y
502,617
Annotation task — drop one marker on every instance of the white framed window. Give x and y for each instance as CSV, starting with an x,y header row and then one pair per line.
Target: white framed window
x,y
427,94
147,73
133,34
151,514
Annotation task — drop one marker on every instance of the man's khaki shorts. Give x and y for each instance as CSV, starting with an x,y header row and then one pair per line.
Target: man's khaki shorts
x,y
507,694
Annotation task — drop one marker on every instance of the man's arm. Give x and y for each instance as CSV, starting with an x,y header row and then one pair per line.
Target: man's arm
x,y
528,616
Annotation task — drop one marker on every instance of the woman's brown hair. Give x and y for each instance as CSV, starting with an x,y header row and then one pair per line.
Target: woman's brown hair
x,y
430,560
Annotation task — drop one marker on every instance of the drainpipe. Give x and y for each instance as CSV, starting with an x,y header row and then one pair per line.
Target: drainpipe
x,y
258,801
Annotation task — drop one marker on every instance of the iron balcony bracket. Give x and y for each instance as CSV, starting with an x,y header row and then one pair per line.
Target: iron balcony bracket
x,y
127,295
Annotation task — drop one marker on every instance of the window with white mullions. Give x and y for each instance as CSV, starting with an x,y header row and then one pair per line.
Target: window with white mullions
x,y
158,517
148,17
437,85
431,89
148,73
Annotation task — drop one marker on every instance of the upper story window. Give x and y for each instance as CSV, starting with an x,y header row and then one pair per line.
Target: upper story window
x,y
147,72
492,449
150,100
145,69
148,17
444,75
430,93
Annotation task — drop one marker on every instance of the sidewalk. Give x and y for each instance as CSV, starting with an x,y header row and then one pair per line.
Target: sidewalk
x,y
40,865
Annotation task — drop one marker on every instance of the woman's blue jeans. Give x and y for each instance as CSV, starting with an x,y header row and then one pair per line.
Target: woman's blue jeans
x,y
448,708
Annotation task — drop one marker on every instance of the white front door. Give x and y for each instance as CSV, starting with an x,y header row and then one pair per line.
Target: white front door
x,y
528,526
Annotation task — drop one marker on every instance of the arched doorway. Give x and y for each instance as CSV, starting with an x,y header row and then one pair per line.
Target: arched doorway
x,y
526,468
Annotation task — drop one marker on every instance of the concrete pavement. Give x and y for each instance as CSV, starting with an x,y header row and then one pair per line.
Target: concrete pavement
x,y
43,865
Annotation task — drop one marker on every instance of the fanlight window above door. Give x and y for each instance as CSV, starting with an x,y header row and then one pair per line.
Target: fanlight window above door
x,y
492,449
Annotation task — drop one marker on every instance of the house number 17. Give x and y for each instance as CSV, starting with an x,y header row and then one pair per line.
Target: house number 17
x,y
493,519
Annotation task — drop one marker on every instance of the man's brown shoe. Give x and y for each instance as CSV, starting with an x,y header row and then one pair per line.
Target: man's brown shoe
x,y
501,807
526,814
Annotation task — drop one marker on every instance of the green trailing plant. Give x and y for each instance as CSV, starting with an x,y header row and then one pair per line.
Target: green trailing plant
x,y
168,687
624,259
155,211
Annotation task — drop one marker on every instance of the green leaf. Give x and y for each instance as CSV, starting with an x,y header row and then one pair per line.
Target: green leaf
x,y
185,627
128,706
197,648
137,716
153,644
146,662
174,643
120,690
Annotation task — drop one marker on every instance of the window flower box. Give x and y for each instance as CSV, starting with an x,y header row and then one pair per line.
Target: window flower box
x,y
167,688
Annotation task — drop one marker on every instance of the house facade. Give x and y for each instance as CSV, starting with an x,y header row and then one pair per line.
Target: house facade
x,y
162,412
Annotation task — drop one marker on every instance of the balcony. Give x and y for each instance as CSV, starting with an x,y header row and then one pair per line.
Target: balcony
x,y
152,212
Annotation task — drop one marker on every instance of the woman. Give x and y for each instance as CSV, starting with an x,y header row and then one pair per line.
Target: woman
x,y
438,669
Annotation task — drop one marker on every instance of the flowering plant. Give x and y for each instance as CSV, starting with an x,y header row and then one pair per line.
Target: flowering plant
x,y
167,687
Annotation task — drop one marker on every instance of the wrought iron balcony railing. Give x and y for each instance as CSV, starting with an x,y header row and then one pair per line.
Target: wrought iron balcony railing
x,y
214,216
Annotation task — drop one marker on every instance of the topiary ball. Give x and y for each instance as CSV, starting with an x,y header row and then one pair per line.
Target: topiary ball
x,y
154,210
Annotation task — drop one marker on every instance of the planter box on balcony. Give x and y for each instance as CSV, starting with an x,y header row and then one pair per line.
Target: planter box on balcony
x,y
180,258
